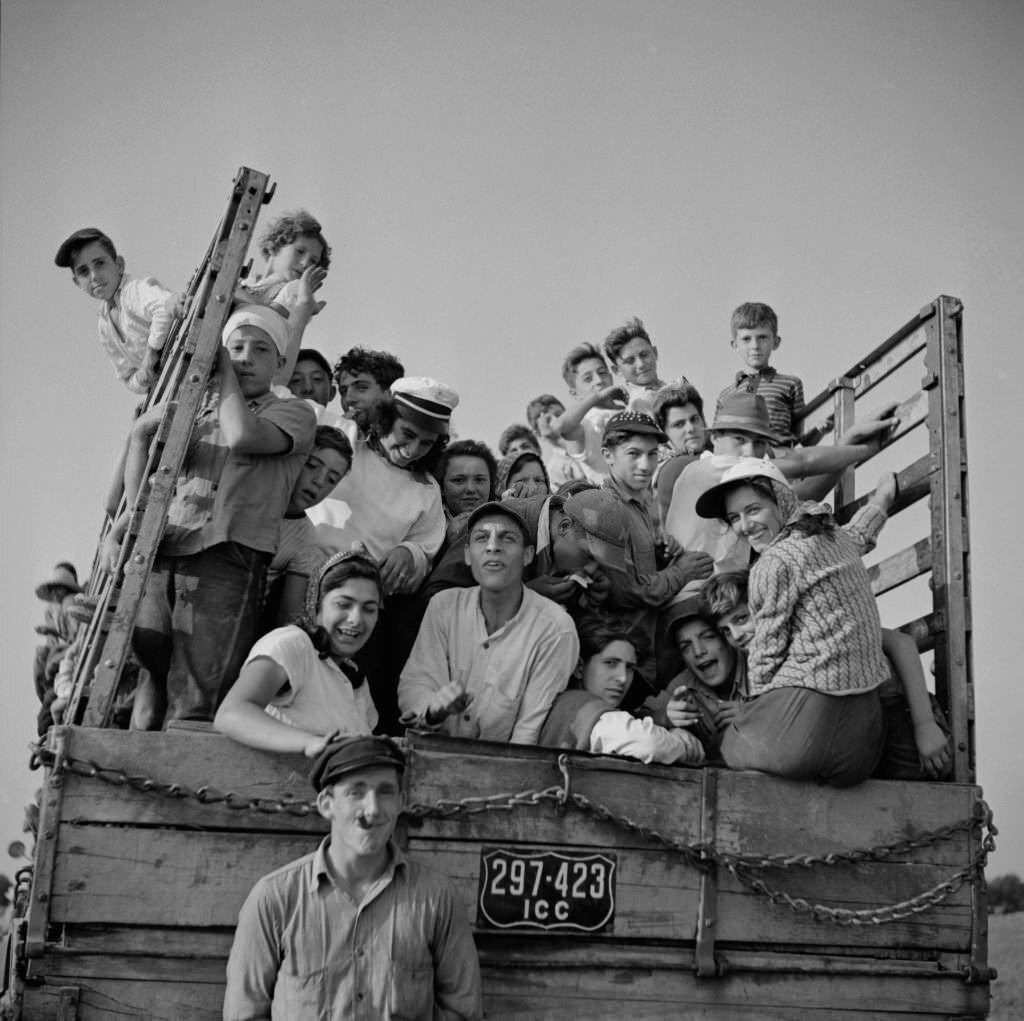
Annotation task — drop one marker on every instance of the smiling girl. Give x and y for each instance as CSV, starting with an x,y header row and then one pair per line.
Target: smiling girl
x,y
299,686
815,661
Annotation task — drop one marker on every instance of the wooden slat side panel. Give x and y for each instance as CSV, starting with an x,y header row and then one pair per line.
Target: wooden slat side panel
x,y
901,567
163,877
115,1000
756,816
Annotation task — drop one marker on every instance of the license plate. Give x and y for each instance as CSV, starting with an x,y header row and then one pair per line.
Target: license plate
x,y
552,891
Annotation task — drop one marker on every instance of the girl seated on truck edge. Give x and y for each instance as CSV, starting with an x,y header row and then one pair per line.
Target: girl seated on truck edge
x,y
299,687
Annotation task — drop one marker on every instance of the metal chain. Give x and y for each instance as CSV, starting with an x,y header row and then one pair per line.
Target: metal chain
x,y
699,855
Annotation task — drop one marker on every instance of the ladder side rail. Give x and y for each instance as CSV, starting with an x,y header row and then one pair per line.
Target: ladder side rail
x,y
951,573
201,343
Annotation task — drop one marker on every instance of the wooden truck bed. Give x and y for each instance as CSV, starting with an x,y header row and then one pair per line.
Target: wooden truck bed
x,y
136,891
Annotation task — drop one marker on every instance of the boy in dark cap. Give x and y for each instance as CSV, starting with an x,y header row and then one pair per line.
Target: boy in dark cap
x,y
386,936
135,315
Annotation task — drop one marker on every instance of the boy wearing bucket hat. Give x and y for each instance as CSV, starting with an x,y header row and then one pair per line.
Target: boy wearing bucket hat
x,y
742,428
355,929
135,315
198,615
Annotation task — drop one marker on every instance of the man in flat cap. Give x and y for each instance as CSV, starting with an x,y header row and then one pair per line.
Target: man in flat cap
x,y
355,930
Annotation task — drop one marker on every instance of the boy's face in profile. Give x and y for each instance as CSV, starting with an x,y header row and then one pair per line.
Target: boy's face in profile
x,y
738,626
96,271
255,359
755,345
311,382
359,391
633,461
638,362
685,429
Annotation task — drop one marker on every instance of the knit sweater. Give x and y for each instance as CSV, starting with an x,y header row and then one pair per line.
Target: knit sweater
x,y
817,624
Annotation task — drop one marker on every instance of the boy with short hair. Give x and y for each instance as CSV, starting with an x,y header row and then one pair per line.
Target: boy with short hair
x,y
581,427
755,335
364,378
634,357
135,315
630,447
542,413
199,612
489,660
679,411
311,378
518,439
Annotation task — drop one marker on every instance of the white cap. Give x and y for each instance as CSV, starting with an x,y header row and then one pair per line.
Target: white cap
x,y
263,317
425,401
710,502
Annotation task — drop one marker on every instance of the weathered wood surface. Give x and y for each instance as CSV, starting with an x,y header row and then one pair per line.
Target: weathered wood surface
x,y
147,889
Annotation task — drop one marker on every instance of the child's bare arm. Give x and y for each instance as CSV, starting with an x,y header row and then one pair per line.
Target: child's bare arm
x,y
932,744
569,425
305,308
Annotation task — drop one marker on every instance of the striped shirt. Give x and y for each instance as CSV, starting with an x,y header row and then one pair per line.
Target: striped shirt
x,y
783,394
138,317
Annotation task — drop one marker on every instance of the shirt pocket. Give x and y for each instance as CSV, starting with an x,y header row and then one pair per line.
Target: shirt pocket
x,y
411,994
298,995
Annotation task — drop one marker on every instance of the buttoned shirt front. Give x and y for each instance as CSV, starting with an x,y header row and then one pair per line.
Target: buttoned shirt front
x,y
513,673
138,317
305,951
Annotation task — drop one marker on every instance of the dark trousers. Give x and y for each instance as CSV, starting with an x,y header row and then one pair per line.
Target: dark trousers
x,y
196,623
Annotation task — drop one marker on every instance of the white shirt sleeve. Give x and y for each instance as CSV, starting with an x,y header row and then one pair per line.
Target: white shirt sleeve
x,y
618,733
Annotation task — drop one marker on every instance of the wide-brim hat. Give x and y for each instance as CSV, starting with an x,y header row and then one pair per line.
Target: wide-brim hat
x,y
79,239
635,422
743,412
425,402
351,754
711,503
263,317
63,577
505,509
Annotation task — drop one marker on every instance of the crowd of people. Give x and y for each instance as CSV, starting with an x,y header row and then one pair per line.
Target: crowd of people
x,y
335,563
621,577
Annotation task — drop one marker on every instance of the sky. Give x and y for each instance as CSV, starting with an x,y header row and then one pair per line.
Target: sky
x,y
500,181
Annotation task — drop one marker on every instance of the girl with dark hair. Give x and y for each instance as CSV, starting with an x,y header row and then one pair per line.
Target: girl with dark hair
x,y
299,686
587,715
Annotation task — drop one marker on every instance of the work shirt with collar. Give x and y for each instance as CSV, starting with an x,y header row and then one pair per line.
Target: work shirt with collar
x,y
783,394
513,674
138,317
304,951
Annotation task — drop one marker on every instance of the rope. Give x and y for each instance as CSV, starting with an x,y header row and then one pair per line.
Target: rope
x,y
699,856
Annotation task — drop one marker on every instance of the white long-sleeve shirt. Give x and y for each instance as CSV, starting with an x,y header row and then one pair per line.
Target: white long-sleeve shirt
x,y
139,317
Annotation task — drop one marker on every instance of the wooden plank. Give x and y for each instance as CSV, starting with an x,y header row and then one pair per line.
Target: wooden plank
x,y
114,1000
901,567
597,993
162,877
71,968
194,760
757,813
147,940
914,482
924,630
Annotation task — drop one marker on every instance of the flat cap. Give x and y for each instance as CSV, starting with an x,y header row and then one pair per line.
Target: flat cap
x,y
78,240
351,754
